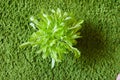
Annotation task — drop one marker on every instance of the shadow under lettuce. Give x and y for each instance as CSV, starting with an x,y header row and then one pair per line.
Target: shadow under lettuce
x,y
92,44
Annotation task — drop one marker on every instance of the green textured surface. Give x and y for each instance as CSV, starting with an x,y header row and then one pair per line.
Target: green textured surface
x,y
100,45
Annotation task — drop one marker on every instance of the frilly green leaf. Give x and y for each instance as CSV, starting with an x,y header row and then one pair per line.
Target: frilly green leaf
x,y
56,33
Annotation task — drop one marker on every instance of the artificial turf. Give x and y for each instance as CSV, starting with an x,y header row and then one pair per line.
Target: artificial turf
x,y
99,46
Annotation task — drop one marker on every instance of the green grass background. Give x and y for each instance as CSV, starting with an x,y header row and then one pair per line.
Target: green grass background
x,y
100,45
